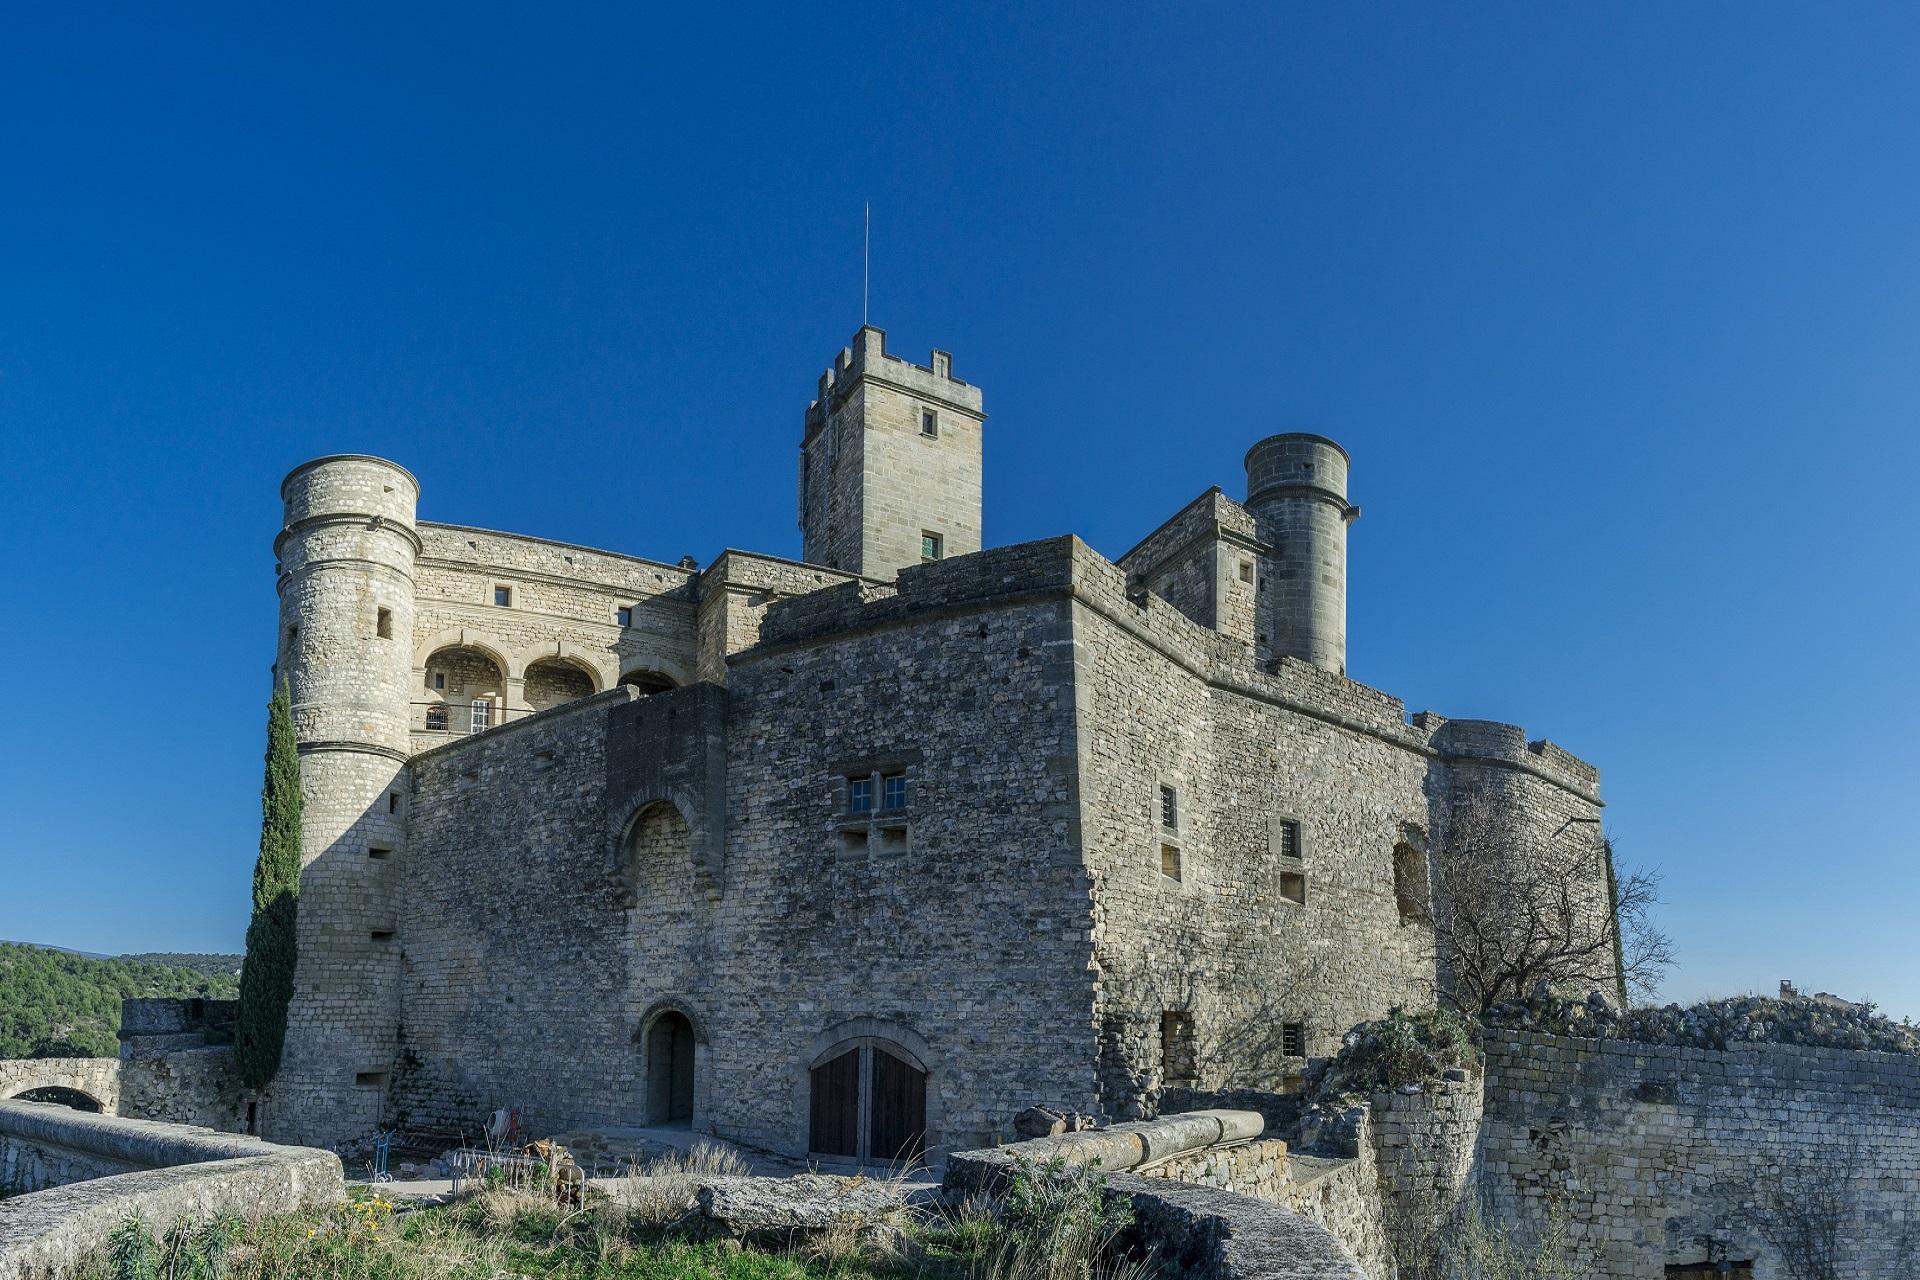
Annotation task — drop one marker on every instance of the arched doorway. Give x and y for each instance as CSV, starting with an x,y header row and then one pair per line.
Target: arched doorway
x,y
60,1096
670,1062
553,681
867,1101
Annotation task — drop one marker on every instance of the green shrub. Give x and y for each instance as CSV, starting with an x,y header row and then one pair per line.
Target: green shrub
x,y
266,977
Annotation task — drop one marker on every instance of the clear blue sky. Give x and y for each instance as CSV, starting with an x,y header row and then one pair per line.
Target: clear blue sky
x,y
1616,306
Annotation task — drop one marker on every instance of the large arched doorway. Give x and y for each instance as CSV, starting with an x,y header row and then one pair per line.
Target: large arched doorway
x,y
552,681
867,1101
464,690
60,1096
670,1064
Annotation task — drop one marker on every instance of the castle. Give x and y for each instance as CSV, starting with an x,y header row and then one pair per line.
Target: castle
x,y
858,855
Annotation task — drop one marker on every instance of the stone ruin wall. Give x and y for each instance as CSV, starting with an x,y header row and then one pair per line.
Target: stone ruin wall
x,y
1654,1150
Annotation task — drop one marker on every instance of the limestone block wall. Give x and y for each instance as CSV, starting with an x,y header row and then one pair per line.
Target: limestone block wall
x,y
1247,939
1204,561
192,1085
1654,1152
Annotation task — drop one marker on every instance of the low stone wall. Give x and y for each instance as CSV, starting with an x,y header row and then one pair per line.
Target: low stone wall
x,y
1657,1155
1182,1210
87,1174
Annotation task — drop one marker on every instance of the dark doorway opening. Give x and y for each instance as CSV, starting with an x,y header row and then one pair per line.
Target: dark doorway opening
x,y
670,1070
61,1096
868,1102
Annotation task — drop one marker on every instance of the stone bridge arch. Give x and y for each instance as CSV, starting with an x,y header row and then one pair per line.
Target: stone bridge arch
x,y
96,1079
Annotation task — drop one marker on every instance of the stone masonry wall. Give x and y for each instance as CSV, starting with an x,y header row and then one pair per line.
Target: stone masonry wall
x,y
1654,1151
196,1086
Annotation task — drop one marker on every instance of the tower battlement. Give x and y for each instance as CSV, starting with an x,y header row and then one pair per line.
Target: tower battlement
x,y
867,356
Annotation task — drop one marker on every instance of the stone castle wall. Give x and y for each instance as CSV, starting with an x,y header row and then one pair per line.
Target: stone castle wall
x,y
1654,1153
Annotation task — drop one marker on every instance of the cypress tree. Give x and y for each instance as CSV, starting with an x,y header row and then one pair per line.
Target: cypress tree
x,y
266,976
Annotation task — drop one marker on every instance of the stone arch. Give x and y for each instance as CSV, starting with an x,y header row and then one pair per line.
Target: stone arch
x,y
451,680
869,1092
556,679
596,662
465,638
61,1095
648,679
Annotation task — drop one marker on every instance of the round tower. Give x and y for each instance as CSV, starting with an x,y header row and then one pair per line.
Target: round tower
x,y
1297,491
346,565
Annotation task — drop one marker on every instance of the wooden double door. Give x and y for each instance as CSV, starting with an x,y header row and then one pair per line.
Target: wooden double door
x,y
868,1103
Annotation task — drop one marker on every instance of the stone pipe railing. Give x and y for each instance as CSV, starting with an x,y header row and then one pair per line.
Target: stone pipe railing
x,y
86,1174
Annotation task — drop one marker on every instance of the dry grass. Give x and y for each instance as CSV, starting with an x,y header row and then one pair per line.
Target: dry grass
x,y
660,1191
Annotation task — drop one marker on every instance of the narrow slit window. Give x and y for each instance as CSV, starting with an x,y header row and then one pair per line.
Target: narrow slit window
x,y
929,423
393,802
378,854
380,935
1169,809
383,624
370,1079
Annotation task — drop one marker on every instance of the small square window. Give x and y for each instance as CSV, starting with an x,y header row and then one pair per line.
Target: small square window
x,y
1293,1039
370,1079
860,795
378,854
929,423
1246,571
1293,887
393,802
383,624
929,547
893,791
1170,861
503,597
1169,808
623,616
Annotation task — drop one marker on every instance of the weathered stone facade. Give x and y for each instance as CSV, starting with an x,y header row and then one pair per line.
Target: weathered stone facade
x,y
1032,826
1661,1156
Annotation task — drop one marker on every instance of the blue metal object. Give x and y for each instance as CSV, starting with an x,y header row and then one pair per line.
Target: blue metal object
x,y
382,1152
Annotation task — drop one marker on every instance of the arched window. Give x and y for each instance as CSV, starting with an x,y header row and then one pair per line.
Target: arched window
x,y
466,681
867,1101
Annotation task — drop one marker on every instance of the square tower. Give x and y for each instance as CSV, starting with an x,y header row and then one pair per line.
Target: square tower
x,y
890,464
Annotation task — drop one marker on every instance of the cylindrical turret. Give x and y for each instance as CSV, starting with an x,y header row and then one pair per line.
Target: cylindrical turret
x,y
1297,491
346,585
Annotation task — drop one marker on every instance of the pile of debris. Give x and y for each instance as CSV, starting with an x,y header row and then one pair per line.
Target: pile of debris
x,y
1713,1024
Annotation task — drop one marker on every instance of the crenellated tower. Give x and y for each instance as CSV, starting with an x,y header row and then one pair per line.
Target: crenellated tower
x,y
890,462
1297,492
346,582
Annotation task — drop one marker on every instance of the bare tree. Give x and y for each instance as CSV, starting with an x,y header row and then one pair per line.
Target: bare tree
x,y
1799,1209
1520,907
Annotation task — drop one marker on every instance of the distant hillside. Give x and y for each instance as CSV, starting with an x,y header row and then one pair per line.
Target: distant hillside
x,y
62,1004
217,966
